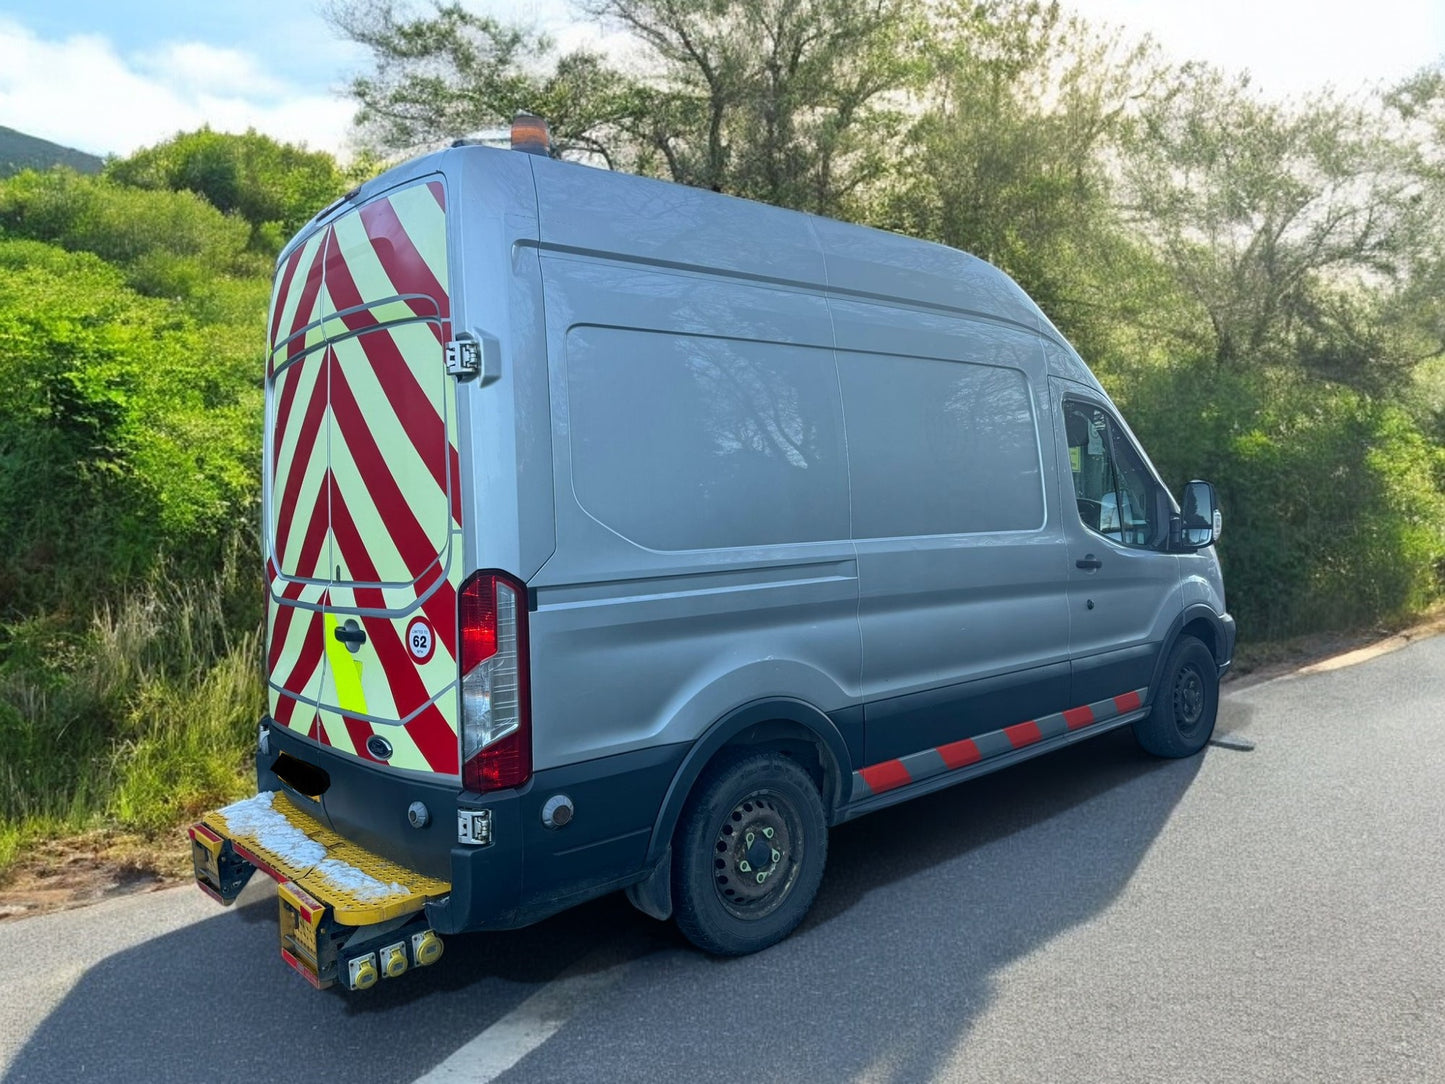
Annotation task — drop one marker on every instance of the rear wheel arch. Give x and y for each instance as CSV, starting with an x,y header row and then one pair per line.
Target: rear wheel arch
x,y
792,727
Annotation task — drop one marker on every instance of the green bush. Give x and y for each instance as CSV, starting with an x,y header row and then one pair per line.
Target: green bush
x,y
146,716
167,243
127,433
1334,516
275,187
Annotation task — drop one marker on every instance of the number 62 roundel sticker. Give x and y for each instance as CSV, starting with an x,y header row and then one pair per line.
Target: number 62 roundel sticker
x,y
420,640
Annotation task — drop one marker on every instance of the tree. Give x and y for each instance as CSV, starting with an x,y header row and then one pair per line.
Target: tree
x,y
453,73
1010,159
1281,221
794,102
276,187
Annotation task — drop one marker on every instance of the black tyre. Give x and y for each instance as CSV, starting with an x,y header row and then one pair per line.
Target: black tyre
x,y
748,854
1185,705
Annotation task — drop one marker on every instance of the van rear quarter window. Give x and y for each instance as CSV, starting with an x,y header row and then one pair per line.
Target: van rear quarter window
x,y
940,447
684,442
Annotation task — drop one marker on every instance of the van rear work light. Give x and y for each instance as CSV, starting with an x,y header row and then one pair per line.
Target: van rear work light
x,y
496,697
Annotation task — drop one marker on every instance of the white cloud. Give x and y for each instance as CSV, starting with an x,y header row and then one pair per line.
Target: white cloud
x,y
81,92
196,67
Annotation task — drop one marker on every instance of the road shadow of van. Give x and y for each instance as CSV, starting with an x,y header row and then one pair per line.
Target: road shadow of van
x,y
940,892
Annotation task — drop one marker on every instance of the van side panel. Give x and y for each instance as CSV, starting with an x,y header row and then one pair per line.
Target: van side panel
x,y
960,554
660,377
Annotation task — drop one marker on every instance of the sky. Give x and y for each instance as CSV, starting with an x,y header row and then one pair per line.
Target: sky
x,y
110,76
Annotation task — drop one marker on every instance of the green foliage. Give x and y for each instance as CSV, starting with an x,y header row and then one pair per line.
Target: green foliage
x,y
1007,160
125,432
1334,508
169,244
275,187
145,716
1280,221
132,311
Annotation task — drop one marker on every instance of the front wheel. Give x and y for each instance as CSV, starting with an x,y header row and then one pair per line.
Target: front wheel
x,y
1185,706
749,854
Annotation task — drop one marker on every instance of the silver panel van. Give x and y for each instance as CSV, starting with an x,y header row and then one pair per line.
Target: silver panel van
x,y
623,535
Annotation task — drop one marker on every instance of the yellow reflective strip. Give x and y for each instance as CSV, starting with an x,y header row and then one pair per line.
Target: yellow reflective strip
x,y
405,752
426,224
345,672
306,499
292,301
371,280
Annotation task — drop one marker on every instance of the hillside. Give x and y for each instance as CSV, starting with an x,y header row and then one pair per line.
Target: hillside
x,y
20,151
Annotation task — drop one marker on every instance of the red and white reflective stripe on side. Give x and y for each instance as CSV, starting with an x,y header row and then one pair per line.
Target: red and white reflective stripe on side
x,y
891,774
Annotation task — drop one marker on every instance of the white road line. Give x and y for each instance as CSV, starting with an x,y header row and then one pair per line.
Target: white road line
x,y
533,1022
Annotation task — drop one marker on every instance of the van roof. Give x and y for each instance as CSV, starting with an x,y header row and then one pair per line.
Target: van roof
x,y
666,224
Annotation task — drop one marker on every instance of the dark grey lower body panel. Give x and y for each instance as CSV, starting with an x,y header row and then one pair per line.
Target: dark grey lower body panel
x,y
926,770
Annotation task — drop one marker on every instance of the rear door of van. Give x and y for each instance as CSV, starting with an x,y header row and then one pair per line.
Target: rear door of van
x,y
362,437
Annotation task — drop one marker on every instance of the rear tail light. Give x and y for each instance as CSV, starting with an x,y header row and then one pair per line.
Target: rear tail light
x,y
496,701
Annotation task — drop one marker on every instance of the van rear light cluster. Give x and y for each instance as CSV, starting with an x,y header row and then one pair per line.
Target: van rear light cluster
x,y
496,698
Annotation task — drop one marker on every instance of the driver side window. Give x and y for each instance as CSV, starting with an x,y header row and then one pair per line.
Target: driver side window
x,y
1112,488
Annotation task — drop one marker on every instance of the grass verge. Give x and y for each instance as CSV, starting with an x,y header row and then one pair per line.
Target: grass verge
x,y
124,730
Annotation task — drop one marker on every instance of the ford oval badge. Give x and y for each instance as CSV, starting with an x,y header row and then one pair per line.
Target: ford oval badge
x,y
378,747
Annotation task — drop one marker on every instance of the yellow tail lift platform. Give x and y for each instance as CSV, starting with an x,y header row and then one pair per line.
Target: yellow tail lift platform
x,y
345,913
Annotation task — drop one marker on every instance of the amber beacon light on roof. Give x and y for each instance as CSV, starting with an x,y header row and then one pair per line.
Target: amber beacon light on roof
x,y
531,134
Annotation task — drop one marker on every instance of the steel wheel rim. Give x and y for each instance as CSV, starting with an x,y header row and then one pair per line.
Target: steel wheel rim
x,y
1188,699
756,855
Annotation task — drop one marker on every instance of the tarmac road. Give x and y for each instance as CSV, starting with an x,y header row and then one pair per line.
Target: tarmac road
x,y
1094,915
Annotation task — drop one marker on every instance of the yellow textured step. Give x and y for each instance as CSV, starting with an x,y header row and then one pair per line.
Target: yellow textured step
x,y
289,844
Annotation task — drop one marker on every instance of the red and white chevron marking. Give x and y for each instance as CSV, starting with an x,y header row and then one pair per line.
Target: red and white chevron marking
x,y
365,491
892,774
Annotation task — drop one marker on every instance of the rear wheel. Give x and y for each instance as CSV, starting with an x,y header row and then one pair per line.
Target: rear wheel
x,y
1185,706
749,854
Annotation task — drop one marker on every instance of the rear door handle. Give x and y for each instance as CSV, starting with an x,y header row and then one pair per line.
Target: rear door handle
x,y
350,634
1087,561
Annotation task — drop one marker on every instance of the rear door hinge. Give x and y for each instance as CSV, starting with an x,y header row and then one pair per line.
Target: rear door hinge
x,y
474,356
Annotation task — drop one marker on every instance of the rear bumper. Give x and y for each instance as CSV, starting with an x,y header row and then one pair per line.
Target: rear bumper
x,y
269,832
345,914
528,871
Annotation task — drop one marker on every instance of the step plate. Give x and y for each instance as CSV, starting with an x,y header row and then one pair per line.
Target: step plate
x,y
289,844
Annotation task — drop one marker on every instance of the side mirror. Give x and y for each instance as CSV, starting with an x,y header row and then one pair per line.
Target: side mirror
x,y
1200,523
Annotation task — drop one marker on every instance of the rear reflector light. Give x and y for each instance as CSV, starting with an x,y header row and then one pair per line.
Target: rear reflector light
x,y
496,702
